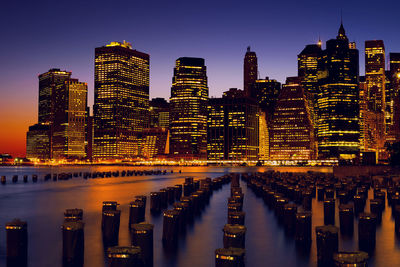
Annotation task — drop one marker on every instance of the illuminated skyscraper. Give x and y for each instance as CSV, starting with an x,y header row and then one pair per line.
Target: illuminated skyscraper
x,y
68,127
159,113
307,62
62,118
266,92
375,96
121,100
233,127
49,83
292,132
250,71
188,109
394,79
337,99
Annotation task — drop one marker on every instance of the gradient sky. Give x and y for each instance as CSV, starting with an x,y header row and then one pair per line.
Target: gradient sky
x,y
39,35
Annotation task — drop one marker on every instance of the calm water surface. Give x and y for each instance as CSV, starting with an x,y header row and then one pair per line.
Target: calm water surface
x,y
42,206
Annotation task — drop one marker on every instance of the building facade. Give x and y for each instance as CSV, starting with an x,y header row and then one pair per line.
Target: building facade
x,y
60,132
307,66
68,127
375,80
250,71
188,110
154,143
337,100
121,100
266,92
38,142
159,113
393,104
233,128
49,83
292,131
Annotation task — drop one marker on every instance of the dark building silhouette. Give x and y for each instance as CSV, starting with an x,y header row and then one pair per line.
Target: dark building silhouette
x,y
159,113
292,132
266,92
337,99
188,109
121,100
233,127
250,71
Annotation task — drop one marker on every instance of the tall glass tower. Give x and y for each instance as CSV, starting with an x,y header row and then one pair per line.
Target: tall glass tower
x,y
188,109
337,99
121,100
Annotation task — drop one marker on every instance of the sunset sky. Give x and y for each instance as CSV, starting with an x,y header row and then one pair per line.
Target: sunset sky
x,y
39,35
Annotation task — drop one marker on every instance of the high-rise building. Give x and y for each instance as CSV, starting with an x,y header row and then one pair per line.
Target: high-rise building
x,y
337,100
307,63
121,100
62,118
68,126
362,92
49,83
375,96
292,132
188,109
394,94
250,71
266,92
38,142
233,127
159,113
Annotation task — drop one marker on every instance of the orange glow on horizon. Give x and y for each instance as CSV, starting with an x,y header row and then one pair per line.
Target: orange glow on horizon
x,y
14,124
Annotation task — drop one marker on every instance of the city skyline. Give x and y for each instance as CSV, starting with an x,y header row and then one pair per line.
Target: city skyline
x,y
20,109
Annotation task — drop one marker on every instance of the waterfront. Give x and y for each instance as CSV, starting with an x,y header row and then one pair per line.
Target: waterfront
x,y
42,206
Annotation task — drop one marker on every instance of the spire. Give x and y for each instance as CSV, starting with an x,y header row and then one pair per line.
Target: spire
x,y
342,32
248,49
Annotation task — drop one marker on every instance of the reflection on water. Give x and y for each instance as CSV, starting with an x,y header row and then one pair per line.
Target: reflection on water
x,y
42,206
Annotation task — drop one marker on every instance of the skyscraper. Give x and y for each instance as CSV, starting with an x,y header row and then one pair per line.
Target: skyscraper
x,y
121,100
375,96
250,71
394,78
307,66
49,83
233,127
292,132
337,100
266,92
68,126
62,118
188,109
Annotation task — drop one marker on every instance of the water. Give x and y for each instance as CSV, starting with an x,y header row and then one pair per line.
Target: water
x,y
42,206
